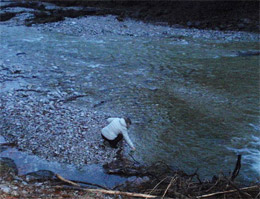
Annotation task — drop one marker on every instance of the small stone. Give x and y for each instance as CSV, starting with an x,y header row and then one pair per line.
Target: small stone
x,y
14,193
5,189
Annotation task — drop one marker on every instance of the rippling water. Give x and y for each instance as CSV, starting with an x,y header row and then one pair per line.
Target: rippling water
x,y
193,101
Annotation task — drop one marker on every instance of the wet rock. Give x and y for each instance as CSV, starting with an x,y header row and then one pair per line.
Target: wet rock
x,y
8,168
7,16
40,175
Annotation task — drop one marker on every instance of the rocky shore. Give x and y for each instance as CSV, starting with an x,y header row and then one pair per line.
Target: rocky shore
x,y
152,182
45,122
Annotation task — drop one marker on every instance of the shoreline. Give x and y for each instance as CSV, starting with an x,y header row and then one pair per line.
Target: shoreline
x,y
24,101
216,15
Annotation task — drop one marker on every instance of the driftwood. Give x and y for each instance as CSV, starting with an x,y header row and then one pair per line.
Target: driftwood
x,y
67,181
91,184
129,194
239,190
110,192
177,185
226,192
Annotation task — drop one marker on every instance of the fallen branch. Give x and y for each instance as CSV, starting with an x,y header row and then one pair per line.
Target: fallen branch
x,y
239,190
172,181
121,193
67,181
214,185
110,192
226,192
158,184
88,183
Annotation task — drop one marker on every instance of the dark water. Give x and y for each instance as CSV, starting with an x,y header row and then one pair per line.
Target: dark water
x,y
193,101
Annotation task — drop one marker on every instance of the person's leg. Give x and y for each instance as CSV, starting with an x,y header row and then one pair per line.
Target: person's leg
x,y
114,142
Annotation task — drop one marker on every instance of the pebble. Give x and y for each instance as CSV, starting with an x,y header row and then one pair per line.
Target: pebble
x,y
53,131
5,189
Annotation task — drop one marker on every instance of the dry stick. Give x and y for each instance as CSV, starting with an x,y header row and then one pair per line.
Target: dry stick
x,y
67,181
172,180
239,191
158,184
213,185
257,195
120,193
225,192
88,183
140,195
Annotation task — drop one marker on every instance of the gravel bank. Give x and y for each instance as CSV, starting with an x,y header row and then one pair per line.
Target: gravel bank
x,y
54,131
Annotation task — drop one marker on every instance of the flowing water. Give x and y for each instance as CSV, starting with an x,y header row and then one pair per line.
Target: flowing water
x,y
193,99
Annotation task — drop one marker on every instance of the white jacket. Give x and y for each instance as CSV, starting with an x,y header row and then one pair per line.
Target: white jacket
x,y
116,126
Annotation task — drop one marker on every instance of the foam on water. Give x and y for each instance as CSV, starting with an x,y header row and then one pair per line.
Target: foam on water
x,y
255,154
250,152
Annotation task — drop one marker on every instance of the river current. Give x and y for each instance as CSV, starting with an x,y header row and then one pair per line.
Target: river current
x,y
193,95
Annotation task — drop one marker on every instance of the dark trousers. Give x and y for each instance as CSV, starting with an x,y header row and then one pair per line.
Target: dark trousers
x,y
113,143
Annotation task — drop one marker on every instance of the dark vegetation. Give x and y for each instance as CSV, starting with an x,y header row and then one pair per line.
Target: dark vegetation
x,y
216,15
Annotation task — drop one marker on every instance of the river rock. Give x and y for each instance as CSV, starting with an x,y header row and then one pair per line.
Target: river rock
x,y
8,168
40,175
5,188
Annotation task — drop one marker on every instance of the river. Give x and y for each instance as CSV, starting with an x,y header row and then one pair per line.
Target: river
x,y
193,95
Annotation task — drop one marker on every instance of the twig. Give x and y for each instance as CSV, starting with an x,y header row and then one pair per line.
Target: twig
x,y
225,192
110,192
239,190
172,180
133,158
158,184
88,183
12,144
213,185
257,195
67,181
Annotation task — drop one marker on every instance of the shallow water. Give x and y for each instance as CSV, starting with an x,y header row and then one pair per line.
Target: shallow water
x,y
93,173
193,101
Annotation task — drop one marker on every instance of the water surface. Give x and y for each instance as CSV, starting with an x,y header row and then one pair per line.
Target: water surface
x,y
193,101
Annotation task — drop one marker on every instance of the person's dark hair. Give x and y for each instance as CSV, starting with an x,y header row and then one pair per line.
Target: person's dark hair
x,y
128,121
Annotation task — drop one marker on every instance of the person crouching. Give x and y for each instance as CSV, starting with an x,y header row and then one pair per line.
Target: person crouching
x,y
116,131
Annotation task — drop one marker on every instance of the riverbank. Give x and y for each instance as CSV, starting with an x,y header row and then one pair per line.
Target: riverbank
x,y
213,15
58,77
162,182
210,15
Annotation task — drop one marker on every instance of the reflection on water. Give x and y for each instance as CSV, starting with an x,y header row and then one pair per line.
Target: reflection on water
x,y
193,101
